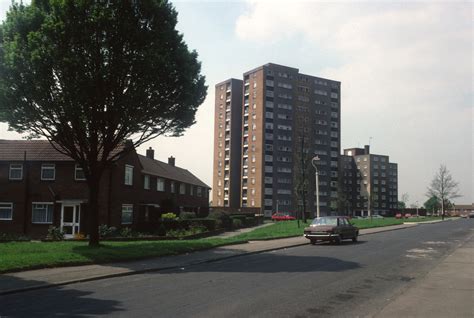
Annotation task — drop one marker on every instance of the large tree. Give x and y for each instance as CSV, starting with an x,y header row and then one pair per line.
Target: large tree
x,y
443,187
90,74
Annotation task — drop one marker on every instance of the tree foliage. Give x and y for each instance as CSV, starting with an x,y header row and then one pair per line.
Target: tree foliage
x,y
89,74
432,204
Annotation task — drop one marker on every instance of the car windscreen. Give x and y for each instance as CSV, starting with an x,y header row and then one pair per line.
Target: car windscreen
x,y
325,221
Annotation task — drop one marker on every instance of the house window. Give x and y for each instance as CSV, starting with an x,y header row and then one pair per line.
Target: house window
x,y
191,188
79,173
127,213
42,213
160,184
146,182
16,171
6,211
199,191
173,187
128,175
48,171
182,188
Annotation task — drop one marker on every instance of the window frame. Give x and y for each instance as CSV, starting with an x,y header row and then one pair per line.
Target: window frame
x,y
11,168
122,213
146,182
160,181
130,181
44,168
42,203
182,188
77,168
4,208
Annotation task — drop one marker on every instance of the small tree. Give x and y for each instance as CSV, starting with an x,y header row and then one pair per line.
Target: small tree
x,y
432,204
443,187
87,75
402,204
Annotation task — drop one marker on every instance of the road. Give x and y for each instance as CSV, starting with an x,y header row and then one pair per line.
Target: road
x,y
350,280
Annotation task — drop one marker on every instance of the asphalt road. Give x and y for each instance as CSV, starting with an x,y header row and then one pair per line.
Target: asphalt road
x,y
350,280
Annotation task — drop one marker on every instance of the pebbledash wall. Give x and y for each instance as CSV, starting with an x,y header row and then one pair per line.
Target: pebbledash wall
x,y
37,182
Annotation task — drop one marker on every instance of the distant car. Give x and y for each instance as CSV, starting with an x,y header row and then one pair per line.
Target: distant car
x,y
408,215
331,228
398,216
376,216
282,217
471,215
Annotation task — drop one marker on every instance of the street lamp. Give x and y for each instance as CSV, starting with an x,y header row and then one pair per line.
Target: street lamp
x,y
313,162
417,214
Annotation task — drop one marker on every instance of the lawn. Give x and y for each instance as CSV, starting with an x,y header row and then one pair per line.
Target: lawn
x,y
27,255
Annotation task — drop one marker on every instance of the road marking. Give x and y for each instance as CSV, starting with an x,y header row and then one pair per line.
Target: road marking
x,y
421,253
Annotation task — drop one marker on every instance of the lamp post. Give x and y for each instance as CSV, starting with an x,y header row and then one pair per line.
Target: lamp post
x,y
417,214
313,162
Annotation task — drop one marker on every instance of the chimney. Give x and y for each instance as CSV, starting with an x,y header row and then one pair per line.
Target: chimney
x,y
171,161
366,150
150,153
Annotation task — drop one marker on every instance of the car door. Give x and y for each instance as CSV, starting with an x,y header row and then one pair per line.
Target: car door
x,y
346,228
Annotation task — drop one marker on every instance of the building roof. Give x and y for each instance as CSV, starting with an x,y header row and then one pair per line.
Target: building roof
x,y
34,150
164,170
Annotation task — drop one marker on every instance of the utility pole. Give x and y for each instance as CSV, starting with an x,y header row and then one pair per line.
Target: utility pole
x,y
313,162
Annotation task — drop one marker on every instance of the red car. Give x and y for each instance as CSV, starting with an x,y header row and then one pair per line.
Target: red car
x,y
282,217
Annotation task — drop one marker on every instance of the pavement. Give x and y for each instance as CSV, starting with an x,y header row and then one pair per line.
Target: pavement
x,y
446,289
11,283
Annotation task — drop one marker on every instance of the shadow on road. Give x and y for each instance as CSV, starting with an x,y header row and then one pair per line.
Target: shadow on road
x,y
59,301
273,263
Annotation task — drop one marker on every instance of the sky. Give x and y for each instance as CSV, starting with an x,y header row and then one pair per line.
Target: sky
x,y
406,73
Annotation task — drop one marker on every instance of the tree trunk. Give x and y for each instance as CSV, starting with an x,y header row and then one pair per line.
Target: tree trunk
x,y
94,187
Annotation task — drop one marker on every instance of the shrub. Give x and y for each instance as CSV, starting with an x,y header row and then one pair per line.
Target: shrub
x,y
79,236
209,224
55,234
196,228
106,231
187,215
223,219
236,223
126,232
13,237
169,216
161,230
250,221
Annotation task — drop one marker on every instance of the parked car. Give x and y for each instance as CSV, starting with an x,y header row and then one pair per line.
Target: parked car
x,y
282,217
471,215
398,216
408,215
331,228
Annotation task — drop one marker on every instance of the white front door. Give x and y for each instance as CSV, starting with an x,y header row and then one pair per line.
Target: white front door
x,y
70,219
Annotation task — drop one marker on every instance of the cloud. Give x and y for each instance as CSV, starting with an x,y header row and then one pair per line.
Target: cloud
x,y
406,73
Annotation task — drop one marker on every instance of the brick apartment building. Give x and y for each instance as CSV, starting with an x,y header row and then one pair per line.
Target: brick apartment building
x,y
264,124
368,181
40,187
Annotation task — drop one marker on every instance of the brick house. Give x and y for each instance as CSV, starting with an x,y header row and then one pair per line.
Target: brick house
x,y
40,187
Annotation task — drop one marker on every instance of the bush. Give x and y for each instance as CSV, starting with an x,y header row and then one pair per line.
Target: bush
x,y
250,221
161,230
187,215
196,228
106,231
13,237
223,219
236,223
79,236
55,234
169,216
126,232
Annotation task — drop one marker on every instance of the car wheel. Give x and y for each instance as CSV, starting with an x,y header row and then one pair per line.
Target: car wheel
x,y
313,242
337,240
354,239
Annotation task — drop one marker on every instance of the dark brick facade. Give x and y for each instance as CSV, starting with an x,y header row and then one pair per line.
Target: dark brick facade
x,y
147,204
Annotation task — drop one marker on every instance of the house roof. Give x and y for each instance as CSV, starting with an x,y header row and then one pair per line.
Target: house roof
x,y
35,150
161,169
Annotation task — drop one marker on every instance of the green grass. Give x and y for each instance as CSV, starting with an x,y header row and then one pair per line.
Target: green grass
x,y
27,255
